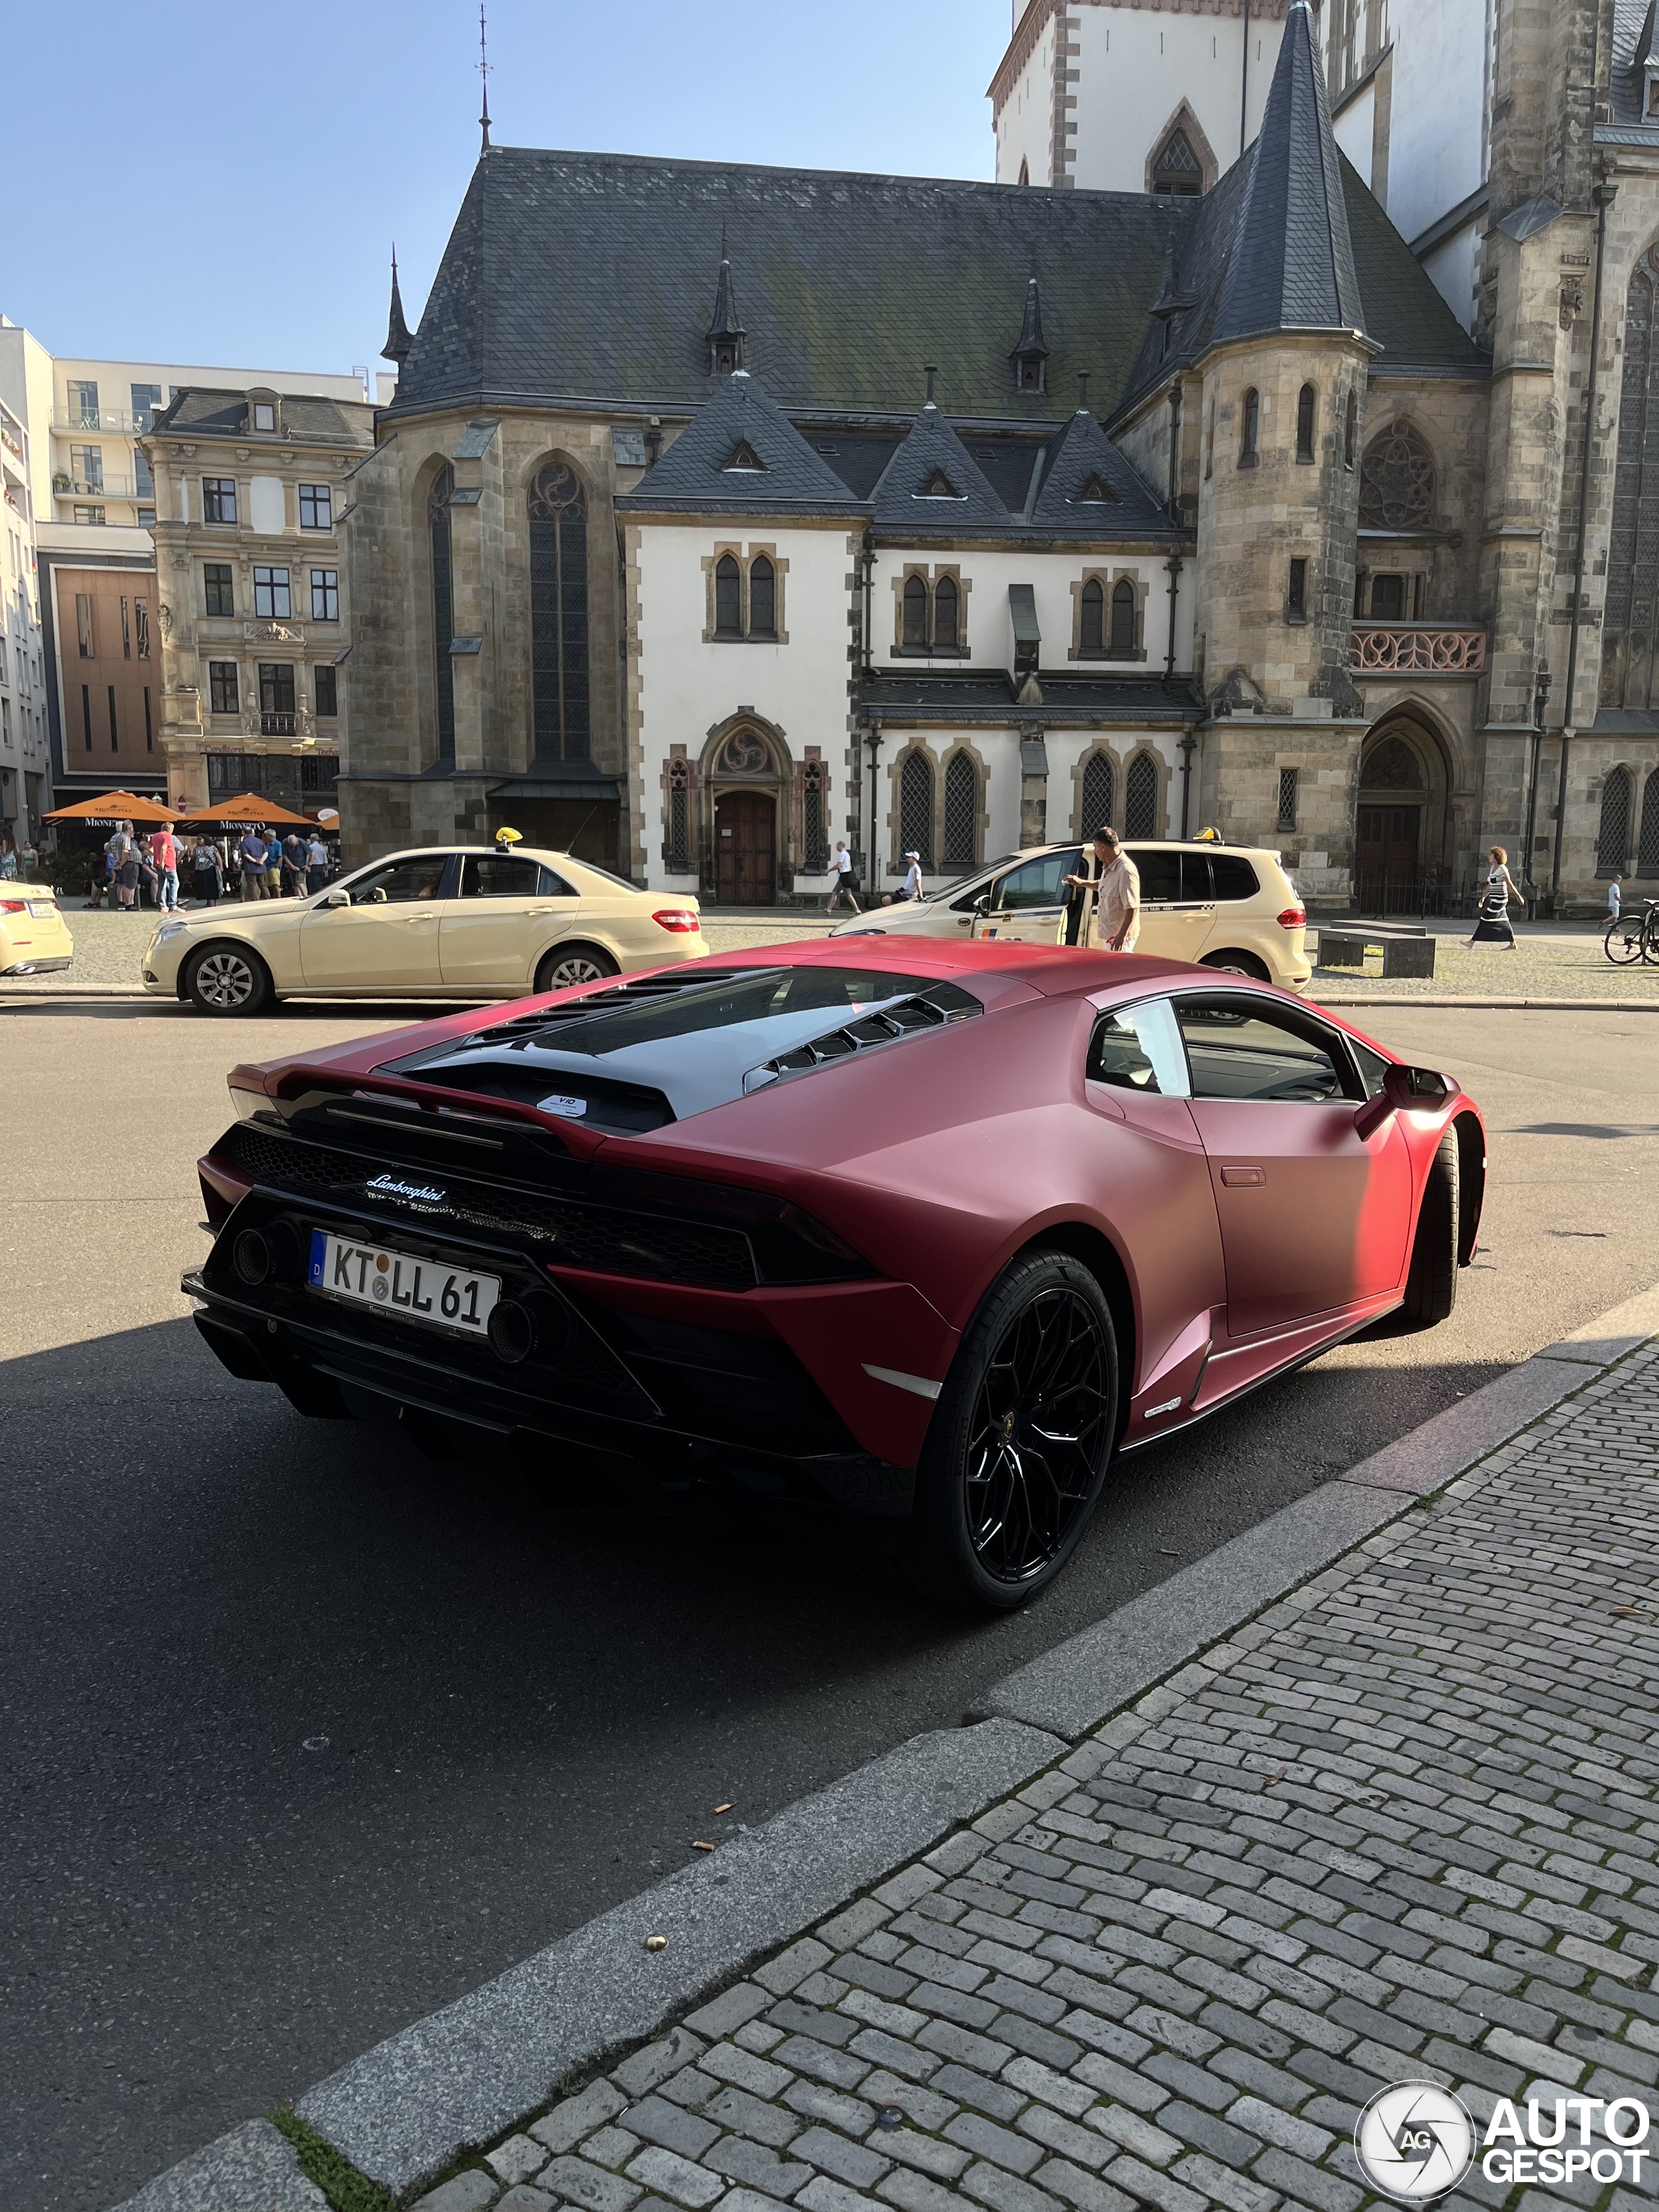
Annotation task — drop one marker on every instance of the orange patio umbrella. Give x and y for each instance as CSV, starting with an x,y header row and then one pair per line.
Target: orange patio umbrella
x,y
247,806
114,806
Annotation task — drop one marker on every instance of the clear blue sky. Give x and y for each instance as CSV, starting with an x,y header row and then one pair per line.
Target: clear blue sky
x,y
220,185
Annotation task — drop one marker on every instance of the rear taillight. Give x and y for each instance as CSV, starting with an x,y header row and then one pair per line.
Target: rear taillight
x,y
1294,917
677,918
13,905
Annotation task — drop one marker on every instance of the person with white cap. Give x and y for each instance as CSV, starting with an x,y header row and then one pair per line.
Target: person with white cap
x,y
911,887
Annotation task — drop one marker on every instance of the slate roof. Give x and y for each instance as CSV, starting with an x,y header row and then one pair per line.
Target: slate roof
x,y
206,413
988,697
903,501
1079,452
693,474
1633,24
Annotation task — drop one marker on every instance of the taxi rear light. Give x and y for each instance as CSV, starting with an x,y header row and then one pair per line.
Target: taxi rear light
x,y
22,906
678,919
1294,917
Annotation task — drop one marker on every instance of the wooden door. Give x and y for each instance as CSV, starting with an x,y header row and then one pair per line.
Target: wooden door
x,y
1387,843
745,853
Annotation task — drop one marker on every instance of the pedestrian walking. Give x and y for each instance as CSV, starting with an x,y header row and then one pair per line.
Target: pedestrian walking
x,y
293,865
164,858
273,864
251,854
1116,922
8,857
1492,925
317,868
1615,900
843,879
124,854
207,872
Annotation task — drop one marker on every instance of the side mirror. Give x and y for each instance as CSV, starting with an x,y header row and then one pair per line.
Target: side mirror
x,y
1403,1088
982,904
335,898
377,896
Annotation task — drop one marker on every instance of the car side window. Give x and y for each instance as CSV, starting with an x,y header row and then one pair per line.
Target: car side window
x,y
1037,883
1160,874
1235,1052
401,881
1371,1065
1233,876
493,875
1138,1048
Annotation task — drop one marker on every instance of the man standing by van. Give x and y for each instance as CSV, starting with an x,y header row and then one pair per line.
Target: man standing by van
x,y
1117,894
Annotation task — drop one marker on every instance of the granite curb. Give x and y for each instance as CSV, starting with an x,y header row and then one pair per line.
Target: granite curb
x,y
406,2109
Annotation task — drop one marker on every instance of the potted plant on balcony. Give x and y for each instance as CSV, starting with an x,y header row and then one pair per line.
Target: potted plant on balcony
x,y
60,480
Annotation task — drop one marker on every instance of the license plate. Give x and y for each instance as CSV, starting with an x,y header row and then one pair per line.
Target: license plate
x,y
394,1283
41,912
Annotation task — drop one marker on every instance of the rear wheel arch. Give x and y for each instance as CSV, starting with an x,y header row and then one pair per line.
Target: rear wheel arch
x,y
1471,1184
588,960
1100,1256
1236,961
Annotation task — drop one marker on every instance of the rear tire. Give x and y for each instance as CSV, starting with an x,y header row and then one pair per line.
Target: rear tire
x,y
1431,1285
1237,963
1623,943
227,978
1016,1453
573,963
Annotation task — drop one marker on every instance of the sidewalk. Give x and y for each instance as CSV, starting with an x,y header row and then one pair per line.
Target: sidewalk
x,y
1400,1826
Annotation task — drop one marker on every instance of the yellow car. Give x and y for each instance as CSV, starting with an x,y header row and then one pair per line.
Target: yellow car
x,y
34,939
443,922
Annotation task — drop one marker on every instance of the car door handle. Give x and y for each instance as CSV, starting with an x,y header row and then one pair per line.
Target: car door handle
x,y
1244,1178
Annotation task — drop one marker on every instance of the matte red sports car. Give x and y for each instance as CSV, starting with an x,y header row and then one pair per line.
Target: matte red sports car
x,y
935,1229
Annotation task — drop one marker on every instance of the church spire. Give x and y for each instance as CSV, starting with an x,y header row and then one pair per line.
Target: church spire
x,y
1030,353
725,331
398,339
483,71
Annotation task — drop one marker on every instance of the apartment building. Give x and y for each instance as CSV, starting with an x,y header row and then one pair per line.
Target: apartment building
x,y
24,755
94,506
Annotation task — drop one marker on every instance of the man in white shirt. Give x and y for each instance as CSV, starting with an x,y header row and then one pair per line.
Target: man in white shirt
x,y
841,888
1117,896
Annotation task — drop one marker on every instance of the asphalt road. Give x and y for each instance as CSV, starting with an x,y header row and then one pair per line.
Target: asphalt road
x,y
304,1735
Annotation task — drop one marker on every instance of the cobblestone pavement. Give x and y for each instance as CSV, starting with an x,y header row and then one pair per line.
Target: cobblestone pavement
x,y
1402,1826
1539,968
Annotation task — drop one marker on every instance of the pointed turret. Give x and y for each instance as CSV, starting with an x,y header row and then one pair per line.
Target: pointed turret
x,y
398,337
1292,266
725,331
1030,355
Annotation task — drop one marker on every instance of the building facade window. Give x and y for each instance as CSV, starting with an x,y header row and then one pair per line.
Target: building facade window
x,y
1250,432
223,696
762,597
961,811
558,612
85,636
218,499
316,507
140,627
264,415
443,618
1123,619
114,727
146,398
947,602
147,518
814,817
271,601
276,709
1140,798
149,725
1396,481
218,589
1288,778
915,613
84,404
1387,598
1296,592
325,692
325,595
86,712
1647,850
931,616
1307,404
87,467
728,596
92,515
1612,832
1092,619
677,856
1351,430
1176,169
127,629
1099,790
143,484
916,808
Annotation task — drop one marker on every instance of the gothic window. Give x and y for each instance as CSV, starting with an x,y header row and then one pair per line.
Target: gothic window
x,y
1396,481
961,811
443,618
1098,790
762,597
1296,594
1391,765
1252,429
729,598
815,807
1176,169
558,612
744,753
678,855
1351,430
1287,782
1307,404
1647,852
1124,617
916,612
1024,173
1631,616
1091,623
946,601
1613,837
1140,798
916,808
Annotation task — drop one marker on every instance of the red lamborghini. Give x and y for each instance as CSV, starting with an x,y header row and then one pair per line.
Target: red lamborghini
x,y
934,1228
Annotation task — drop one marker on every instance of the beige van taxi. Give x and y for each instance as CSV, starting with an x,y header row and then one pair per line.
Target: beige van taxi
x,y
1230,906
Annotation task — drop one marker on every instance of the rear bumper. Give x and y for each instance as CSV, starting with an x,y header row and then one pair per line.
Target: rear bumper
x,y
50,963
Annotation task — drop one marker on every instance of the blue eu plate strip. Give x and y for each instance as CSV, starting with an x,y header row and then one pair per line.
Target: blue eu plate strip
x,y
319,1256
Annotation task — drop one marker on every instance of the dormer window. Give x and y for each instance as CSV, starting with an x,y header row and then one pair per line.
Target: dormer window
x,y
938,486
743,460
727,358
1030,373
1176,167
1095,493
264,415
1651,103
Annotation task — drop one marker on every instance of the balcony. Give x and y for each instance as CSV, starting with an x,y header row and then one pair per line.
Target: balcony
x,y
277,725
114,420
1417,649
68,487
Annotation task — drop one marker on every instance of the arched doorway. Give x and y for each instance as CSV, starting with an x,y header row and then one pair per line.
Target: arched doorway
x,y
747,774
1399,828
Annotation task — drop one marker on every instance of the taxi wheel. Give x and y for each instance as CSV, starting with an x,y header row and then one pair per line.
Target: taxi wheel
x,y
574,963
229,978
1237,963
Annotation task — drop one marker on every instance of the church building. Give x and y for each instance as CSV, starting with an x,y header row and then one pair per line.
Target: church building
x,y
724,511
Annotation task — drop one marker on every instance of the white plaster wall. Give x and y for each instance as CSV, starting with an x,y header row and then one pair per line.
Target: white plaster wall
x,y
1136,66
1352,129
687,686
1024,123
1454,269
989,629
265,509
1436,138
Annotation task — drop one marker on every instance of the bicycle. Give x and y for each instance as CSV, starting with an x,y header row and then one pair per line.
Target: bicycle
x,y
1634,936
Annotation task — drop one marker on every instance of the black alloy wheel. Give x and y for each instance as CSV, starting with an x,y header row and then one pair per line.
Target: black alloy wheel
x,y
1432,1284
1016,1454
228,979
574,963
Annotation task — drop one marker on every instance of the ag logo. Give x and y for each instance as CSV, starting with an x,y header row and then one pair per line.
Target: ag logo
x,y
1415,2141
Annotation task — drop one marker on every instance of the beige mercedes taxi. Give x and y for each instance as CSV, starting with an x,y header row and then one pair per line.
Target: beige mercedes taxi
x,y
443,922
34,938
1230,906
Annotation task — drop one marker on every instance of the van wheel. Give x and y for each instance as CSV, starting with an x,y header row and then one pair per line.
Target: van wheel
x,y
229,978
1431,1285
573,963
1017,1449
1237,963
